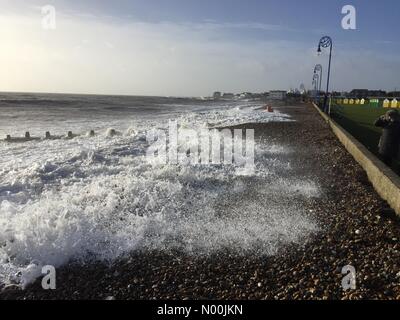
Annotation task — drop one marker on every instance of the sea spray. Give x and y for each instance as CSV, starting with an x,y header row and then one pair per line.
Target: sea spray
x,y
95,198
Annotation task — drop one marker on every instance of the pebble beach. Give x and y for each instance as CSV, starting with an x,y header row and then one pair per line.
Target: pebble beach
x,y
354,227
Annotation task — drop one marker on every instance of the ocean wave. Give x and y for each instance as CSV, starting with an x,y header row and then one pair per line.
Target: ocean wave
x,y
99,198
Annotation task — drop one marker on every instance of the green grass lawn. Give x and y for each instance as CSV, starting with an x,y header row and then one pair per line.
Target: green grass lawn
x,y
359,120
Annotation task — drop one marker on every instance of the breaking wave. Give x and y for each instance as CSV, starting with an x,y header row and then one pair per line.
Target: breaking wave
x,y
99,198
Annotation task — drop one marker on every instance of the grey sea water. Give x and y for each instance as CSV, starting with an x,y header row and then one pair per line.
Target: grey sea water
x,y
92,198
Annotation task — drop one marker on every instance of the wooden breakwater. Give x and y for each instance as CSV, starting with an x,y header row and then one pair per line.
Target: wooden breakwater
x,y
48,136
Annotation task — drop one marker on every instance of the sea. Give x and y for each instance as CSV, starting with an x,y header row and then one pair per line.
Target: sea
x,y
98,198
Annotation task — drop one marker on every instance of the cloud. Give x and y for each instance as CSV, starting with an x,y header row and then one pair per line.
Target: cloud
x,y
212,25
88,54
97,56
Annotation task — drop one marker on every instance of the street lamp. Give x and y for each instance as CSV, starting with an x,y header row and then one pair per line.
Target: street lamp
x,y
318,68
315,83
326,42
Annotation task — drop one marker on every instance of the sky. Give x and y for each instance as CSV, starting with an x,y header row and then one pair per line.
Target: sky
x,y
194,47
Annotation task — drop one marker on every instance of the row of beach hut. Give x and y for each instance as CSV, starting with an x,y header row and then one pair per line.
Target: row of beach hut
x,y
386,103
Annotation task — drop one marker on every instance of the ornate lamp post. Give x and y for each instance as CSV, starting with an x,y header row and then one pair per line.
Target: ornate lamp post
x,y
315,83
326,42
318,68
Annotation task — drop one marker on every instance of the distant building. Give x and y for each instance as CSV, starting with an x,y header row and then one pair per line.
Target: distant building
x,y
217,95
303,89
228,96
359,93
365,93
394,94
277,94
246,95
377,93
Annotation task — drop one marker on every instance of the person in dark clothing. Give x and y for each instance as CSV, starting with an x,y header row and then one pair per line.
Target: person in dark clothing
x,y
325,104
390,139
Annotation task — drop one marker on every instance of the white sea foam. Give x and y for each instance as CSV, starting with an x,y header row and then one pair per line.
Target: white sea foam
x,y
98,198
